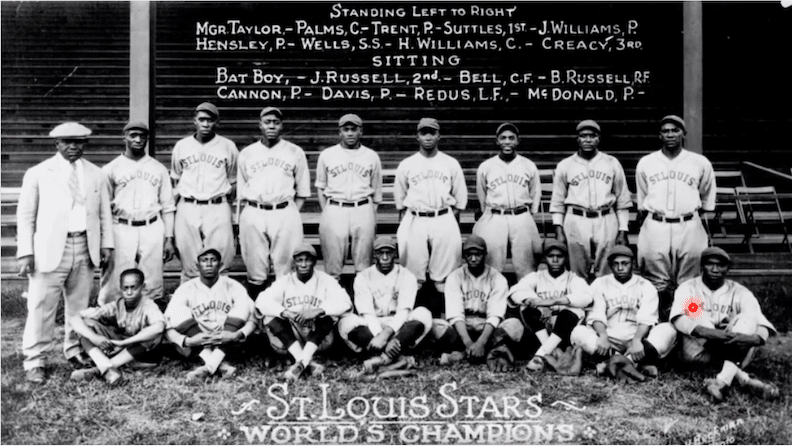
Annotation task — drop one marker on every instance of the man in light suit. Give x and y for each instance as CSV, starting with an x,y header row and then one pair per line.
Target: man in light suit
x,y
64,230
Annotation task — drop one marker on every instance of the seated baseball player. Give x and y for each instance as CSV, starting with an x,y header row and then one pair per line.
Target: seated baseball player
x,y
624,318
386,323
300,310
209,315
475,303
125,331
720,322
551,303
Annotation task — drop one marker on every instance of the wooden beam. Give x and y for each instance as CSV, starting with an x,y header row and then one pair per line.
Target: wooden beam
x,y
140,62
693,74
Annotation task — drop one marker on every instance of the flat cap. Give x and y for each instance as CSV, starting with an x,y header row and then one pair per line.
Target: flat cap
x,y
554,244
305,248
588,124
70,130
507,126
714,251
207,107
350,118
620,250
674,119
384,241
271,111
428,123
474,242
138,125
207,250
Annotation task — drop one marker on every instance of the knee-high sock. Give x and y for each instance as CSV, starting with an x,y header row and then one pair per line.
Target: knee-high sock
x,y
214,360
123,357
295,350
99,358
548,345
727,373
308,352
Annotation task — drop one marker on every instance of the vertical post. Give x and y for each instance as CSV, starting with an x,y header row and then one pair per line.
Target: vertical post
x,y
693,76
139,63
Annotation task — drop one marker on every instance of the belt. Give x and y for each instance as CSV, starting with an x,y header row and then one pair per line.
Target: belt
x,y
513,211
590,214
124,221
266,207
346,204
660,217
217,200
430,213
76,234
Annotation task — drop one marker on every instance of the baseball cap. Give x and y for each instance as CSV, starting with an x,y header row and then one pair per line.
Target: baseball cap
x,y
70,130
620,250
588,124
430,123
350,118
674,119
554,244
384,241
714,251
207,250
305,248
507,126
209,108
271,111
474,241
138,125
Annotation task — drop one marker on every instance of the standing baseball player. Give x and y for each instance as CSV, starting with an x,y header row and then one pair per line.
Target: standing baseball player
x,y
300,311
349,183
387,321
508,191
143,206
274,182
624,318
430,192
590,204
674,188
551,303
210,314
475,302
720,322
203,168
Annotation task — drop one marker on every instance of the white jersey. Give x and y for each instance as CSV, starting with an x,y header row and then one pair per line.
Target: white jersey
x,y
204,171
718,307
208,306
139,189
272,175
349,174
675,187
289,293
622,306
430,184
483,296
593,184
382,295
116,314
541,285
506,185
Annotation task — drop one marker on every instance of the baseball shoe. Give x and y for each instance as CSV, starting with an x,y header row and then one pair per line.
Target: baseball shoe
x,y
85,374
602,368
761,389
536,364
315,369
81,361
716,388
226,370
113,376
650,370
35,375
200,373
450,358
294,372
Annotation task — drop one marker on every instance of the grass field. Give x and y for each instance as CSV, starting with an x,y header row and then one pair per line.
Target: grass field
x,y
159,406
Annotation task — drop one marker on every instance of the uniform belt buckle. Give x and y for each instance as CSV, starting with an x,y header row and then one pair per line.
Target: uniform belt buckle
x,y
75,234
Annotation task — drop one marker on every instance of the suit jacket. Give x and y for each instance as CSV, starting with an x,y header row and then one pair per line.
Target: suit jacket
x,y
43,213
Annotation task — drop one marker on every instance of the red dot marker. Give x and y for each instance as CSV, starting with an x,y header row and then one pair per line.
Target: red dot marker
x,y
693,307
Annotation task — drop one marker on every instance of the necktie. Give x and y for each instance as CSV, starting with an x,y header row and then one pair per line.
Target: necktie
x,y
74,187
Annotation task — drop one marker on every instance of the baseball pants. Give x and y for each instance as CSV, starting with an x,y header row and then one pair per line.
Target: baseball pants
x,y
430,242
135,247
661,337
414,330
269,237
510,331
284,332
670,253
72,279
236,319
561,324
337,226
589,240
143,351
203,225
519,231
700,351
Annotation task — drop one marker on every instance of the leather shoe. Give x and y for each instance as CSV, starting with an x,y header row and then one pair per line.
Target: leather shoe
x,y
81,361
35,375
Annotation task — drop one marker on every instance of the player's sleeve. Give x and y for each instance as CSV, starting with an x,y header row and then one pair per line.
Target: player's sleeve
x,y
153,315
579,294
176,168
648,310
364,303
481,187
166,198
685,291
105,314
408,289
302,176
597,312
623,199
535,188
496,304
641,185
177,312
337,300
560,189
750,306
270,301
707,186
400,185
107,234
231,161
321,172
523,290
458,186
242,176
376,178
455,310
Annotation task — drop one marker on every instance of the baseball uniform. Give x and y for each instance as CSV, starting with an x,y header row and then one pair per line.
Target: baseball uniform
x,y
205,174
270,227
591,200
510,192
351,181
428,234
141,195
